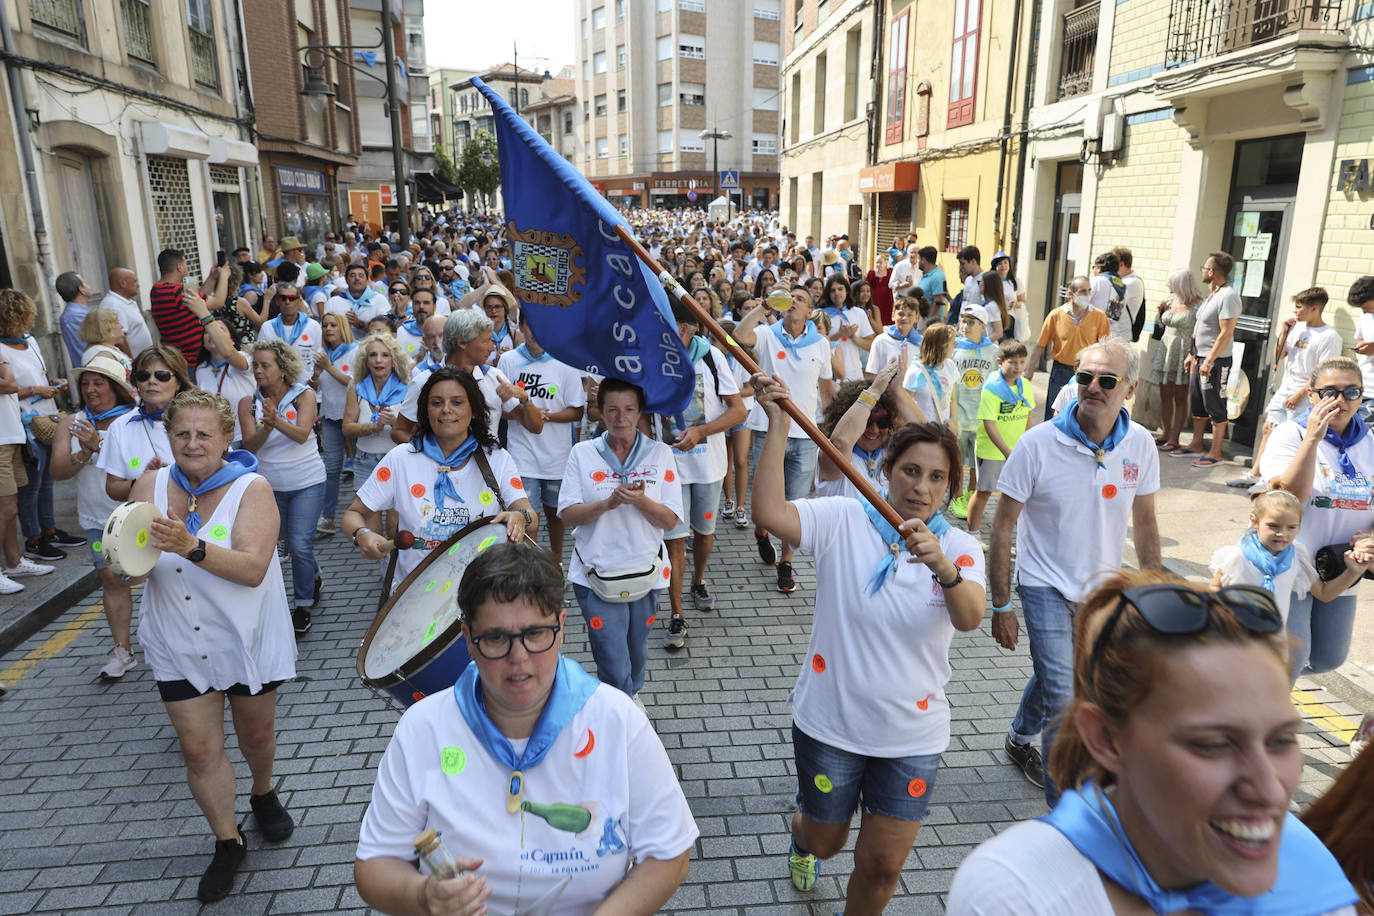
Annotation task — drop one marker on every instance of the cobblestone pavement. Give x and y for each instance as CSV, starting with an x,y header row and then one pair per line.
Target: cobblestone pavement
x,y
96,814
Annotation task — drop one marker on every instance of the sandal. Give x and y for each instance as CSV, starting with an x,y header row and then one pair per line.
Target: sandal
x,y
1169,446
1206,462
1182,452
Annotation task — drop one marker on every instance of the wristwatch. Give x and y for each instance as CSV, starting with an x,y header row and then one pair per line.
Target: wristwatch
x,y
198,554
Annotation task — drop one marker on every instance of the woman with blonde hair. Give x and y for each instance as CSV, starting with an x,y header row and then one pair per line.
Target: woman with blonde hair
x,y
102,332
381,372
1177,312
333,374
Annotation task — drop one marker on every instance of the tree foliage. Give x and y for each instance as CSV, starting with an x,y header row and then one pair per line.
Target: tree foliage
x,y
479,171
444,167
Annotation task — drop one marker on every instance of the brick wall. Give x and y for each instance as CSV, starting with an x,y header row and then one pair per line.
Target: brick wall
x,y
1345,246
1138,39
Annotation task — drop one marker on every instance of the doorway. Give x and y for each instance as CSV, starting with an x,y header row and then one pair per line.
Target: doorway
x,y
80,221
1068,204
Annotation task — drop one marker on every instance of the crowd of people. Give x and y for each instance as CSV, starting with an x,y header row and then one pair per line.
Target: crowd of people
x,y
408,370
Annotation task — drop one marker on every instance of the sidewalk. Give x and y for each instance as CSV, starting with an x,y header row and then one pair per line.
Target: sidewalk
x,y
45,598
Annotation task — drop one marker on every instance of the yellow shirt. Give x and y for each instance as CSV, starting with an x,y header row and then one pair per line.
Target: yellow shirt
x,y
1068,337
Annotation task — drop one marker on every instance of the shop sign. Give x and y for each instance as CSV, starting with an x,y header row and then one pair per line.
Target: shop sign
x,y
1355,175
894,176
637,186
302,181
366,207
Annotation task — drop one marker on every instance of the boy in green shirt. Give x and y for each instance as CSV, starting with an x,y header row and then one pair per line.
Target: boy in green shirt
x,y
1004,414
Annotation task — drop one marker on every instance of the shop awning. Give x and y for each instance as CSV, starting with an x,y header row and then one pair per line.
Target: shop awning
x,y
432,189
894,176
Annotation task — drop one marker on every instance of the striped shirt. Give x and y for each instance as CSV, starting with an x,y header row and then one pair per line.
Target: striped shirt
x,y
176,325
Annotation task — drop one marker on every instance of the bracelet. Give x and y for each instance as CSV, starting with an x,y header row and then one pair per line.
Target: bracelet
x,y
868,399
207,321
958,578
359,532
1003,609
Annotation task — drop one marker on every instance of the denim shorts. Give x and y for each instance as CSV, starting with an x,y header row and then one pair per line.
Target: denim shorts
x,y
542,492
700,503
97,548
798,465
832,783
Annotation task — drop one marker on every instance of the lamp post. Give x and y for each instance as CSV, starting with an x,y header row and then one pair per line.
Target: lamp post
x,y
715,135
515,66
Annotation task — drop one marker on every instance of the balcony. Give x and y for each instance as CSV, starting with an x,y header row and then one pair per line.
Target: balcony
x,y
203,64
138,37
1078,50
1198,31
62,15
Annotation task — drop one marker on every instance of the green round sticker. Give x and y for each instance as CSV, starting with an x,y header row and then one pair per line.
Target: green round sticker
x,y
446,586
98,547
823,782
486,543
135,462
141,539
486,497
219,533
431,631
453,760
553,389
452,550
430,586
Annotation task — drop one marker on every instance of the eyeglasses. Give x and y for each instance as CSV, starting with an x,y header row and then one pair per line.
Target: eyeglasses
x,y
534,639
1085,378
142,375
1353,393
286,297
1178,610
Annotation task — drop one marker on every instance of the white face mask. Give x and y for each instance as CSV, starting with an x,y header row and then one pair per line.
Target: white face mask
x,y
1083,301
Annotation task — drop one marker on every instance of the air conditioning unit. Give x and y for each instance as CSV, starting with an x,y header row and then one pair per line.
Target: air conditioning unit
x,y
1113,132
1092,118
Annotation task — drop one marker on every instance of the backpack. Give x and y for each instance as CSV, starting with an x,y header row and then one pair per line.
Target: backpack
x,y
1138,321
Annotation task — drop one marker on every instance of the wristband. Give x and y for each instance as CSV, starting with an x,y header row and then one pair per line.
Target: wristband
x,y
868,399
359,533
1003,609
207,321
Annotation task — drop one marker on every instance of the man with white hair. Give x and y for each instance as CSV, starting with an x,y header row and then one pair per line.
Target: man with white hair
x,y
1071,489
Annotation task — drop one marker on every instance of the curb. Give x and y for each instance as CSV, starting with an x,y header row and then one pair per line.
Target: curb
x,y
23,624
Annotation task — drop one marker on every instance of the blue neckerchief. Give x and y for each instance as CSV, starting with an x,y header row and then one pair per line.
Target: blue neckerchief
x,y
698,348
237,463
524,351
836,314
428,364
459,288
337,353
913,336
292,393
297,329
998,386
217,365
15,340
504,335
149,418
622,469
1272,565
1067,422
871,459
963,343
1310,881
443,485
411,328
308,292
809,336
250,288
1353,434
118,410
933,379
368,293
393,392
894,539
572,688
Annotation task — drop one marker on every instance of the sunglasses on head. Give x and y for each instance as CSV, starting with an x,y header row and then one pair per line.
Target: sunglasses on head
x,y
162,375
1353,393
1180,610
1085,378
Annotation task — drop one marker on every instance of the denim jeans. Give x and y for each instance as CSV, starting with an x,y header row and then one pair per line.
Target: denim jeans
x,y
332,439
619,634
300,511
1049,630
798,465
35,497
1059,377
1323,630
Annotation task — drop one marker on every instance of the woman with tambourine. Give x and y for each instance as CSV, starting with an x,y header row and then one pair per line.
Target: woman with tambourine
x,y
214,622
449,475
137,442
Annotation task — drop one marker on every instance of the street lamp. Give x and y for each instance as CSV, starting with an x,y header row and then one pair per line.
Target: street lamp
x,y
317,91
715,135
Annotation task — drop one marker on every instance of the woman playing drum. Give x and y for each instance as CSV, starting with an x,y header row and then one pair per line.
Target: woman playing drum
x,y
552,788
214,622
137,441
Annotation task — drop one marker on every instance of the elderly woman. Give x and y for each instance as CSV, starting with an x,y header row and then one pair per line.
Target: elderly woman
x,y
1179,754
106,396
615,811
137,442
380,374
1177,312
217,533
332,377
449,475
278,424
102,332
1325,457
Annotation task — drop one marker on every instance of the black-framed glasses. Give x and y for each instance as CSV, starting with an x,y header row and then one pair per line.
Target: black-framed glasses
x,y
535,640
1353,393
1086,378
142,375
1180,610
400,291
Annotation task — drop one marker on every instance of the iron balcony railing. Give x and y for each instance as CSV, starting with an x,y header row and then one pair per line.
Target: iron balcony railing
x,y
203,64
62,15
1078,50
1199,29
138,35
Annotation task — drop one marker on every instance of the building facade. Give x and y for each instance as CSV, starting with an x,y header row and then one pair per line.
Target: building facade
x,y
518,86
554,115
651,76
443,107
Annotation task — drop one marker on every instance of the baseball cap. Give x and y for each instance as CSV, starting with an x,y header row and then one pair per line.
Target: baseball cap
x,y
974,311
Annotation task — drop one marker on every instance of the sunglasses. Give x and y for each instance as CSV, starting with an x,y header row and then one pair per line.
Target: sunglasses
x,y
398,291
286,297
1353,393
1178,610
1086,378
880,421
162,375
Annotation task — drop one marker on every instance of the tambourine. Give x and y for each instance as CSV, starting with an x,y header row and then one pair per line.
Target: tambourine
x,y
126,541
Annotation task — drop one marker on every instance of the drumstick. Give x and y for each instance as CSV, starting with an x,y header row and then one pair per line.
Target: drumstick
x,y
404,541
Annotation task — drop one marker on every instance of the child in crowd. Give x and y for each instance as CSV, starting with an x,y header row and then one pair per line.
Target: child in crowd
x,y
931,379
974,357
1270,556
1003,414
906,312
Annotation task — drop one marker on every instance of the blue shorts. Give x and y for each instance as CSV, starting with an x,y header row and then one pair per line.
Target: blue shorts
x,y
97,549
542,492
700,502
832,783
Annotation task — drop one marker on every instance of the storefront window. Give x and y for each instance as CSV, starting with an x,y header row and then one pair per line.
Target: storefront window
x,y
306,210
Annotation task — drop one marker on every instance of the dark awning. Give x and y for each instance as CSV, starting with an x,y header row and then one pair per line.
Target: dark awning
x,y
430,188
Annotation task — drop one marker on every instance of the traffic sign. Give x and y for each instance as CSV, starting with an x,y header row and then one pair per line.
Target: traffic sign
x,y
729,178
692,195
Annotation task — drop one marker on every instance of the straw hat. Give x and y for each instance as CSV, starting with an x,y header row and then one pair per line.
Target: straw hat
x,y
104,364
290,243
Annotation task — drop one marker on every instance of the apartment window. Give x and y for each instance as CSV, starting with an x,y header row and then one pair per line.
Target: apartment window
x,y
766,99
624,144
691,94
665,141
620,101
818,102
896,77
586,29
598,18
601,147
691,143
586,70
963,62
956,224
599,62
601,105
665,95
201,29
822,10
138,32
567,122
586,111
620,57
765,145
664,47
692,6
766,53
692,47
795,108
766,9
852,74
63,15
619,10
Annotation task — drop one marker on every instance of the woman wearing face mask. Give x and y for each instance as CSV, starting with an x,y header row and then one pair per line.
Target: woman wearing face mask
x,y
1180,754
887,604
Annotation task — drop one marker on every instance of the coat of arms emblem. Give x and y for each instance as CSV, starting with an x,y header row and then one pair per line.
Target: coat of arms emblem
x,y
547,265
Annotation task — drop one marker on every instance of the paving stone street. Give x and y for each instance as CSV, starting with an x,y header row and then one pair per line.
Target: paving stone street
x,y
96,814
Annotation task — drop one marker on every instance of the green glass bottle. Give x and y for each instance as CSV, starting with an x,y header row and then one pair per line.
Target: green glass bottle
x,y
569,818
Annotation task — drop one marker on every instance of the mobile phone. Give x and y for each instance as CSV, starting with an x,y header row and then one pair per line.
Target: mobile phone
x,y
221,258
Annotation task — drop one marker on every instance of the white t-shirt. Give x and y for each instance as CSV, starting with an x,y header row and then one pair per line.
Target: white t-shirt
x,y
972,368
412,345
233,384
1074,514
842,486
1298,579
1066,394
1364,333
30,369
931,388
93,506
903,277
287,464
1339,505
488,378
607,760
848,350
741,374
553,386
1306,348
366,310
899,637
11,426
706,462
380,442
1135,294
623,538
404,481
333,393
309,342
130,443
885,349
131,319
803,374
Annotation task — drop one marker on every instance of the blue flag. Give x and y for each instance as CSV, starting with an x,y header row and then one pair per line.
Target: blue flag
x,y
590,301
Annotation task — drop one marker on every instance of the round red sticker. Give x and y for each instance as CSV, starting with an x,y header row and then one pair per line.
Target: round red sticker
x,y
916,788
667,572
383,474
669,476
599,476
1109,491
708,515
291,415
964,560
517,483
782,355
417,490
344,367
650,621
596,623
305,338
818,663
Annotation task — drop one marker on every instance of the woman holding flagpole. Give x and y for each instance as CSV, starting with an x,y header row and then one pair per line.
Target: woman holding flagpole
x,y
888,601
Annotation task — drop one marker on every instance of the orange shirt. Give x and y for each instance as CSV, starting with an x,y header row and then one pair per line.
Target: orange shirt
x,y
1067,338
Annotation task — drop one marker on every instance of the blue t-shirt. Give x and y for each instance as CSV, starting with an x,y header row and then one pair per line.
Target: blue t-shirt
x,y
932,283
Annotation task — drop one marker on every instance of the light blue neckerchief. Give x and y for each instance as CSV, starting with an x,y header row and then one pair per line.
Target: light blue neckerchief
x,y
1272,565
871,459
623,469
524,351
963,343
443,484
393,392
1067,422
411,328
1354,432
913,336
287,400
118,410
894,539
150,418
809,336
998,386
337,353
237,463
933,379
428,364
698,348
297,329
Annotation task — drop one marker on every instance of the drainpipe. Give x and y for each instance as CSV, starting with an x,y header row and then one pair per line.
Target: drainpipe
x,y
1006,123
248,118
875,122
1024,138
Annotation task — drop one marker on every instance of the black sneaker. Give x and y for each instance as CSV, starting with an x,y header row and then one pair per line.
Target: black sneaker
x,y
677,633
319,590
273,820
786,582
42,549
1027,758
218,879
701,597
60,538
300,620
766,552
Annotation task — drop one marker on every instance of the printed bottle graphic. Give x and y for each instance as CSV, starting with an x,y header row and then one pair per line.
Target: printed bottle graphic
x,y
568,818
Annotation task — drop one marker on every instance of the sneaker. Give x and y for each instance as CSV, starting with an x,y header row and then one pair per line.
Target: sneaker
x,y
60,538
27,567
273,820
218,879
741,520
8,586
804,867
1245,480
347,470
42,549
959,507
300,620
120,663
766,552
701,597
677,633
1027,759
729,508
786,582
3,690
326,528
